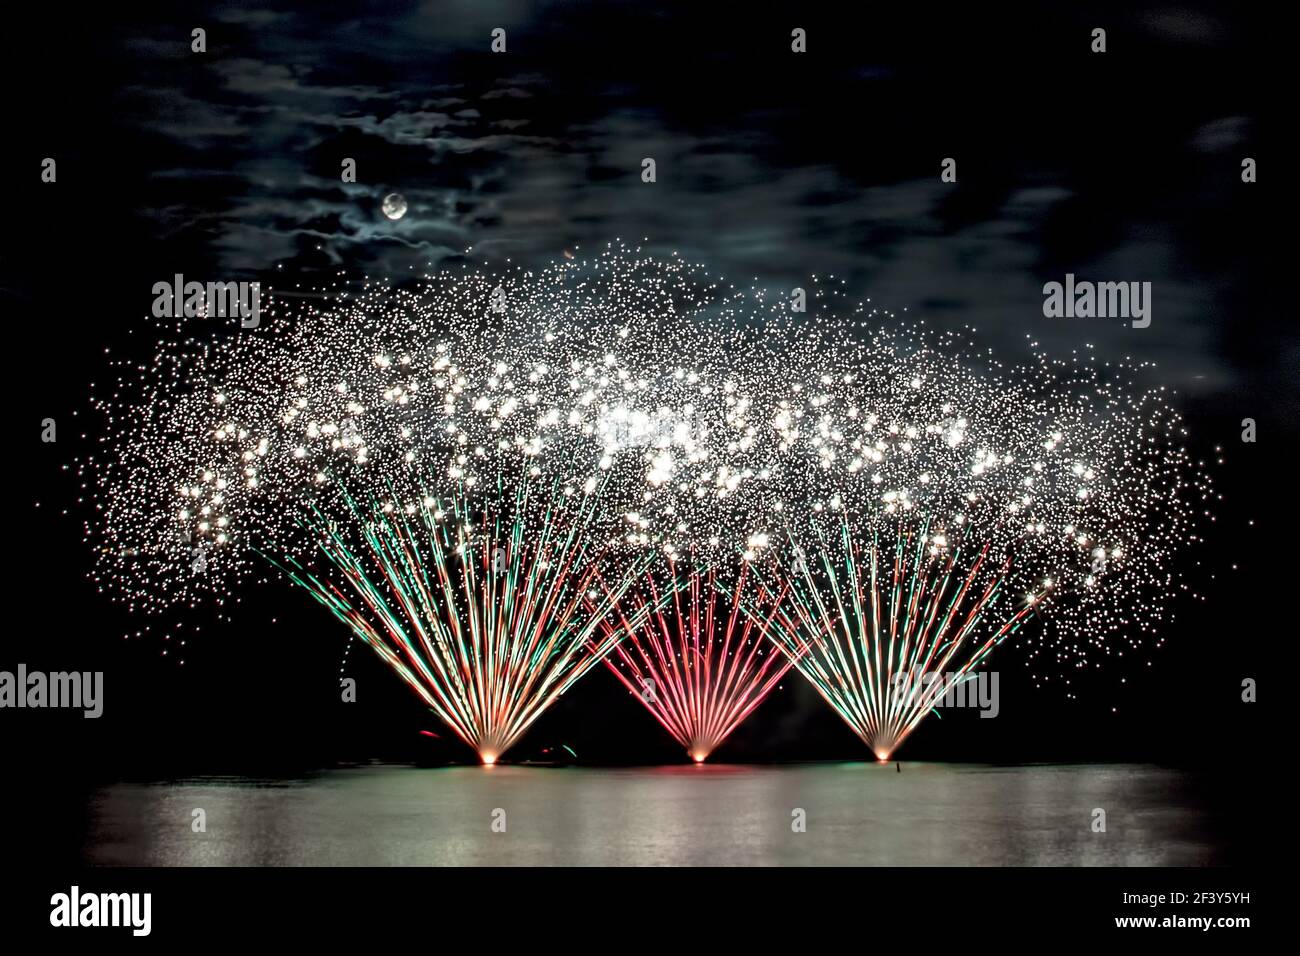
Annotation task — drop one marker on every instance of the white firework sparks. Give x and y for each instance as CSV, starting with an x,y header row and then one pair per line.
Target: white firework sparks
x,y
710,420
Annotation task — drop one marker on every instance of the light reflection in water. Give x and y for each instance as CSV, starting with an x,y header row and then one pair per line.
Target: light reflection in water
x,y
857,814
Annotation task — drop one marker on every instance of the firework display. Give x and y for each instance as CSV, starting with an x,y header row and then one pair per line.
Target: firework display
x,y
887,622
498,479
698,663
481,614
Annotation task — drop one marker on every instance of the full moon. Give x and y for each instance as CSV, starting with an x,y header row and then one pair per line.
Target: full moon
x,y
394,206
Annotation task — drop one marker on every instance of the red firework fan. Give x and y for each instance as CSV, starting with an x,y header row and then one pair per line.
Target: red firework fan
x,y
699,660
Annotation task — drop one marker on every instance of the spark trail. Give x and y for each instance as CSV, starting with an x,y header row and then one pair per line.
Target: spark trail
x,y
690,655
885,623
488,616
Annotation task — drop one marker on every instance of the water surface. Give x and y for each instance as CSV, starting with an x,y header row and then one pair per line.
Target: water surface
x,y
856,814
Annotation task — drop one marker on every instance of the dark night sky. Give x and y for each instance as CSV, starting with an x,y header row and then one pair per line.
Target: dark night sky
x,y
771,166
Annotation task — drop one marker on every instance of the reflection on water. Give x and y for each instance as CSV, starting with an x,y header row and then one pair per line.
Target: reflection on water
x,y
930,814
